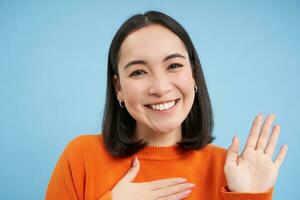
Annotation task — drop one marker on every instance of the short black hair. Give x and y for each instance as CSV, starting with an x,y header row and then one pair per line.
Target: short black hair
x,y
118,125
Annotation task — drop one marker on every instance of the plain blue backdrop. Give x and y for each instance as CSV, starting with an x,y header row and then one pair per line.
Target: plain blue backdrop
x,y
53,57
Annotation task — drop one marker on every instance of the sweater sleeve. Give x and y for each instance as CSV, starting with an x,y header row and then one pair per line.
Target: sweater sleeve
x,y
106,196
68,178
62,183
227,195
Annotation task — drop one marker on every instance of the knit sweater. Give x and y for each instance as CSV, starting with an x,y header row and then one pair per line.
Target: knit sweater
x,y
86,170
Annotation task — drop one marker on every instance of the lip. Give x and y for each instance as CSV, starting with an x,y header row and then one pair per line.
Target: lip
x,y
164,111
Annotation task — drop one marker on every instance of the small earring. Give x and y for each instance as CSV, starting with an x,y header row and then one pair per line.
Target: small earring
x,y
122,105
195,88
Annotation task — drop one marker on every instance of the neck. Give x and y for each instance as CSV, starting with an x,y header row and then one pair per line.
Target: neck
x,y
159,139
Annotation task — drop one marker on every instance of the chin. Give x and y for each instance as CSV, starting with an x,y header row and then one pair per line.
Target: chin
x,y
164,129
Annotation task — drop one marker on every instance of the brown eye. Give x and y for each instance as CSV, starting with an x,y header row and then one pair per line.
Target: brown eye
x,y
137,73
175,65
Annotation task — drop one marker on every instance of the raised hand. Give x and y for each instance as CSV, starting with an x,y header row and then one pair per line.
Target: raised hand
x,y
254,170
164,189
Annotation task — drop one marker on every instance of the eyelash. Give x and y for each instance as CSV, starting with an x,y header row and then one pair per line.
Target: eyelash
x,y
139,72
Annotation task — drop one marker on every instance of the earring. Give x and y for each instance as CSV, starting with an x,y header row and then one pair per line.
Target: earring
x,y
122,105
195,88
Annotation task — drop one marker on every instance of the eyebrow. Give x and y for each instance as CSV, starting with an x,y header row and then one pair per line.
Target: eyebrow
x,y
134,62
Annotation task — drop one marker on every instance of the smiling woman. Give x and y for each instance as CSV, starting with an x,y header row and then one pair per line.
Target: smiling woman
x,y
158,114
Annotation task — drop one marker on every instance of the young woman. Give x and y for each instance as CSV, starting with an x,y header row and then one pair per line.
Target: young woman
x,y
158,114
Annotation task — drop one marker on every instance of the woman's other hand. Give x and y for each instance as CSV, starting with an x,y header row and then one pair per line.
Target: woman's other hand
x,y
254,170
164,189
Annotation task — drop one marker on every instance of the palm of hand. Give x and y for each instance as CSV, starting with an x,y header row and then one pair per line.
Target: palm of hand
x,y
254,170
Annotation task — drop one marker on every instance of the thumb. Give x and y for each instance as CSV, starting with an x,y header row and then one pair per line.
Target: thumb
x,y
133,171
233,151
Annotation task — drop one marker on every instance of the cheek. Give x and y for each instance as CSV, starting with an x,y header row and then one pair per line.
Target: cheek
x,y
185,81
133,92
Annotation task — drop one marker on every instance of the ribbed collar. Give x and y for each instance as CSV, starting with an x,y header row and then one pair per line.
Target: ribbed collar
x,y
161,153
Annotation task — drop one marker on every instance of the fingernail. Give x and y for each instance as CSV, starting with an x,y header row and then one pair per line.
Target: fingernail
x,y
191,185
181,180
188,191
235,136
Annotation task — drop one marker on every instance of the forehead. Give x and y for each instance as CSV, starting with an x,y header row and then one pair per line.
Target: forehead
x,y
151,42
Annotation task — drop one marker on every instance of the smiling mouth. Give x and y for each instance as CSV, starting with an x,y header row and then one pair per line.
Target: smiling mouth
x,y
163,106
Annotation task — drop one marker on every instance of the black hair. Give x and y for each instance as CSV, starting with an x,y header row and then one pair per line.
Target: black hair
x,y
118,125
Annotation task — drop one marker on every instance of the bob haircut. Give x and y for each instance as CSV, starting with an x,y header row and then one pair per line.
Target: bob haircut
x,y
118,125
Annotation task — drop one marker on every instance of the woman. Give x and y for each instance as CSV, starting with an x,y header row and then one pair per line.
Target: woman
x,y
158,114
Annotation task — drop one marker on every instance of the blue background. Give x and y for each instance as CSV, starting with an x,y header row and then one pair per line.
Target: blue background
x,y
53,58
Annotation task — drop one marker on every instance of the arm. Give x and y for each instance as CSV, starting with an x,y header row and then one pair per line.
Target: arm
x,y
228,195
68,178
61,185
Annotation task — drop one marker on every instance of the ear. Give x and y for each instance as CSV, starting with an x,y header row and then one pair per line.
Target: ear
x,y
117,87
194,80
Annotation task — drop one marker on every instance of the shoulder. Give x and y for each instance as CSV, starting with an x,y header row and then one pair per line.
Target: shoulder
x,y
212,153
85,140
215,150
85,143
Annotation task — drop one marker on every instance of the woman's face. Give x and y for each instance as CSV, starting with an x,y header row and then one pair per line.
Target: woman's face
x,y
155,79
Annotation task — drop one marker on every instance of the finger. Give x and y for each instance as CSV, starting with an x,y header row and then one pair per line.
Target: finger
x,y
254,132
281,155
176,196
233,151
273,141
133,171
164,192
263,137
154,185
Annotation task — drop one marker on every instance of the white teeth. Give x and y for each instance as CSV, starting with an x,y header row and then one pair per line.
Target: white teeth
x,y
166,105
163,106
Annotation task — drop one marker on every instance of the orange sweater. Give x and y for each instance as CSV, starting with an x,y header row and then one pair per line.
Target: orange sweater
x,y
87,171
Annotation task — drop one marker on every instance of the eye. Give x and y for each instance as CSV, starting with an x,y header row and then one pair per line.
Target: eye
x,y
174,66
137,73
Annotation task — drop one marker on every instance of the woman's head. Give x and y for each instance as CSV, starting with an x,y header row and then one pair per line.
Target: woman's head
x,y
153,65
153,68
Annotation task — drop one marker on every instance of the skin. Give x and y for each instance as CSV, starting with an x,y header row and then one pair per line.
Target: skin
x,y
154,82
252,170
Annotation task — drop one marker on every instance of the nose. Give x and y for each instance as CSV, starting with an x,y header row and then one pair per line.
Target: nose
x,y
160,86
